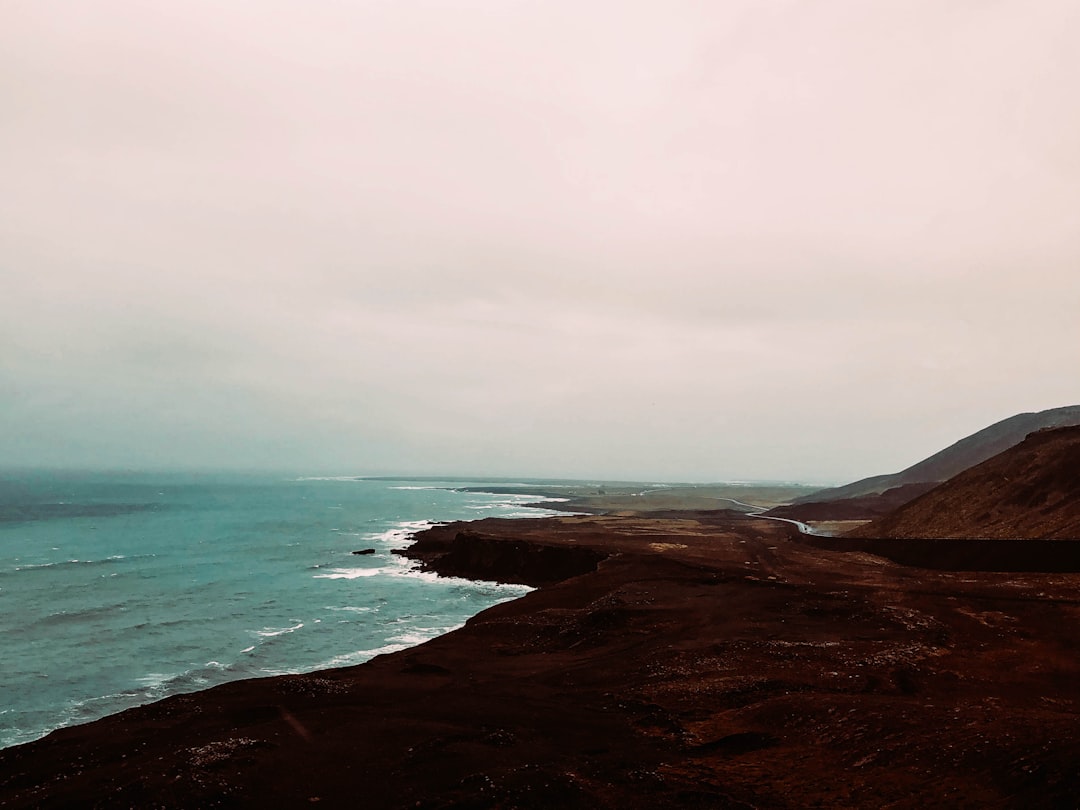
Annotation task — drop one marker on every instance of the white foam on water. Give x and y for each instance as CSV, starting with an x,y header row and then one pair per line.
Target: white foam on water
x,y
399,535
33,566
419,635
426,576
269,632
351,573
359,656
153,680
75,562
366,655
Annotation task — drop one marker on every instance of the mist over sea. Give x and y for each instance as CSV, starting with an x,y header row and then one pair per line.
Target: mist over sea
x,y
120,589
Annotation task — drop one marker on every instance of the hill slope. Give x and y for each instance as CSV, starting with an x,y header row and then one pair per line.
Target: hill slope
x,y
956,458
861,507
1031,490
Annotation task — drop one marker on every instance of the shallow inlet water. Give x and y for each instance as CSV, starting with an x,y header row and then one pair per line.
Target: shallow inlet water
x,y
119,589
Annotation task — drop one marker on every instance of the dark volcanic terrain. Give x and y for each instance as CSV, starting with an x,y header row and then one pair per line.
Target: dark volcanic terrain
x,y
1029,491
954,459
684,659
861,507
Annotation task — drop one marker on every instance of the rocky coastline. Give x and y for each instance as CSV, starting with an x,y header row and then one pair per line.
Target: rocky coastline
x,y
675,659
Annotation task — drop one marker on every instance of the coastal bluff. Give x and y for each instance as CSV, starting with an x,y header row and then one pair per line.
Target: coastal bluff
x,y
675,659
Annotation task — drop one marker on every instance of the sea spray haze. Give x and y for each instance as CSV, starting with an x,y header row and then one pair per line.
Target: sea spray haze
x,y
118,589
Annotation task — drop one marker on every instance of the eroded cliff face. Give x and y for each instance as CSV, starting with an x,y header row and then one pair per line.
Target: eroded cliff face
x,y
455,550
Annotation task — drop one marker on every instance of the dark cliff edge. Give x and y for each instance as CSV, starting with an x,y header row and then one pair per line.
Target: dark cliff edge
x,y
454,550
993,554
693,660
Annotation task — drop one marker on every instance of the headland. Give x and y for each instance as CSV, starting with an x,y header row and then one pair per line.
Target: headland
x,y
687,658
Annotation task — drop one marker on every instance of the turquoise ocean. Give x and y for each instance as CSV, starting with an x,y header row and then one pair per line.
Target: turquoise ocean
x,y
118,589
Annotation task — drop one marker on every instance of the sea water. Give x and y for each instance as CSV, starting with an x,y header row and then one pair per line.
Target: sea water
x,y
120,589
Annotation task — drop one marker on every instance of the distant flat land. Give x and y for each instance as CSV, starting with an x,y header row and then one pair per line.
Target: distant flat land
x,y
643,497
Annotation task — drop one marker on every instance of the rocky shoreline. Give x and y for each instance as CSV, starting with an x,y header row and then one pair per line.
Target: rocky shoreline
x,y
677,659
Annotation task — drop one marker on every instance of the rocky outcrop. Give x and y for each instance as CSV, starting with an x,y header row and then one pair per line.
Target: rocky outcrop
x,y
456,551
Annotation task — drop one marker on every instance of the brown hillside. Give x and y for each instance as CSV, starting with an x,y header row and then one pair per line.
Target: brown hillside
x,y
863,507
1031,490
966,453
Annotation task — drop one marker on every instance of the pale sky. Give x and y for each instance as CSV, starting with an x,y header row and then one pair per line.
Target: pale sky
x,y
747,239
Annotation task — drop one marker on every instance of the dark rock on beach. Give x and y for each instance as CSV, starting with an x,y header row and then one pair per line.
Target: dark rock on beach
x,y
500,556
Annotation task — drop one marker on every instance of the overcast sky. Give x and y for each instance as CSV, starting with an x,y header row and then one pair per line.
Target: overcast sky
x,y
747,239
